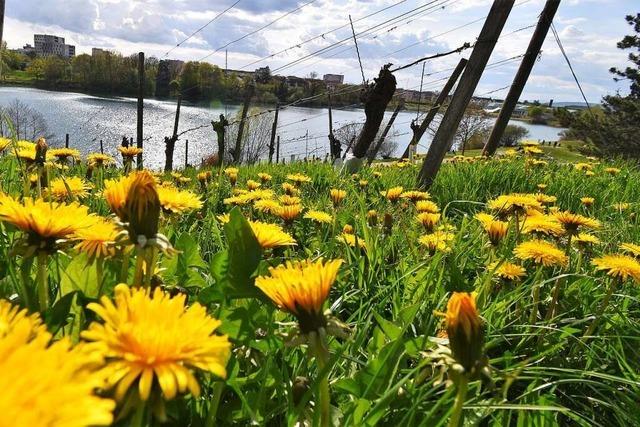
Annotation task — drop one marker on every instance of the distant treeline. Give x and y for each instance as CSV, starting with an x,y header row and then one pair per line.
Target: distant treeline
x,y
114,74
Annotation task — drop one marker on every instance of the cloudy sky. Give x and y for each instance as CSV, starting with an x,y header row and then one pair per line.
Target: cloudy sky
x,y
400,32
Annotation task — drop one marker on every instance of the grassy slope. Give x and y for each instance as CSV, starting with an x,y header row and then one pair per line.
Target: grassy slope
x,y
544,373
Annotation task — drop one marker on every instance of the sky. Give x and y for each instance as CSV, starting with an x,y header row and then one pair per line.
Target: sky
x,y
389,31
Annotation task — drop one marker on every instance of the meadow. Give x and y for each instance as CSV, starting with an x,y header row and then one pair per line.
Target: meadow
x,y
297,295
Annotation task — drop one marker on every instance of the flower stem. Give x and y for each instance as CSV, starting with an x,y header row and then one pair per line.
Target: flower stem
x,y
124,269
457,416
138,419
218,388
138,276
601,310
99,274
554,299
150,259
43,289
322,357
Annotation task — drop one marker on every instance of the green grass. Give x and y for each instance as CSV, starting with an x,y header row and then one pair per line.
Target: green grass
x,y
543,373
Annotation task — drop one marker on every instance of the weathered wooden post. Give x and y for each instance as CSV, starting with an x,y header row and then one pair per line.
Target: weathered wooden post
x,y
272,147
140,106
278,149
186,153
334,143
1,28
220,128
376,98
373,153
468,82
237,152
520,80
101,148
418,131
66,141
170,143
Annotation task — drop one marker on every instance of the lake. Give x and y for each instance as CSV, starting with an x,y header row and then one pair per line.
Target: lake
x,y
89,119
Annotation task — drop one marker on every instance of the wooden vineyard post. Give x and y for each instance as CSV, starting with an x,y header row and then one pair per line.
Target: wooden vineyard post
x,y
468,82
419,131
140,106
520,80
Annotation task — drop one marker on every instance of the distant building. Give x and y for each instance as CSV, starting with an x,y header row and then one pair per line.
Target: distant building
x,y
333,80
97,51
49,45
27,49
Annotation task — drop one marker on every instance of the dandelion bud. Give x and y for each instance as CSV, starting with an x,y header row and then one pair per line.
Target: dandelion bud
x,y
388,223
299,388
465,330
347,229
41,151
337,196
372,218
142,207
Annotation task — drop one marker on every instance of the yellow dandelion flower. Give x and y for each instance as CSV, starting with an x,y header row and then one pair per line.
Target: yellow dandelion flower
x,y
542,187
583,166
438,241
62,154
542,224
98,240
129,152
337,196
347,229
630,248
271,235
587,201
290,200
496,230
44,222
264,177
319,217
541,252
427,206
178,201
529,143
46,386
393,194
154,339
352,240
72,187
623,206
415,196
253,185
507,271
586,239
532,151
4,143
298,178
514,203
288,213
428,220
619,266
572,222
301,289
363,183
100,160
224,218
267,206
23,325
612,171
589,173
545,198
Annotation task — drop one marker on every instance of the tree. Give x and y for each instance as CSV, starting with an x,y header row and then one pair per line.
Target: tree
x,y
473,122
512,135
255,138
631,42
26,123
536,114
614,130
263,75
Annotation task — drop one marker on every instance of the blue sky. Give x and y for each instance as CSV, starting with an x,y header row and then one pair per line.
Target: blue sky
x,y
589,30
